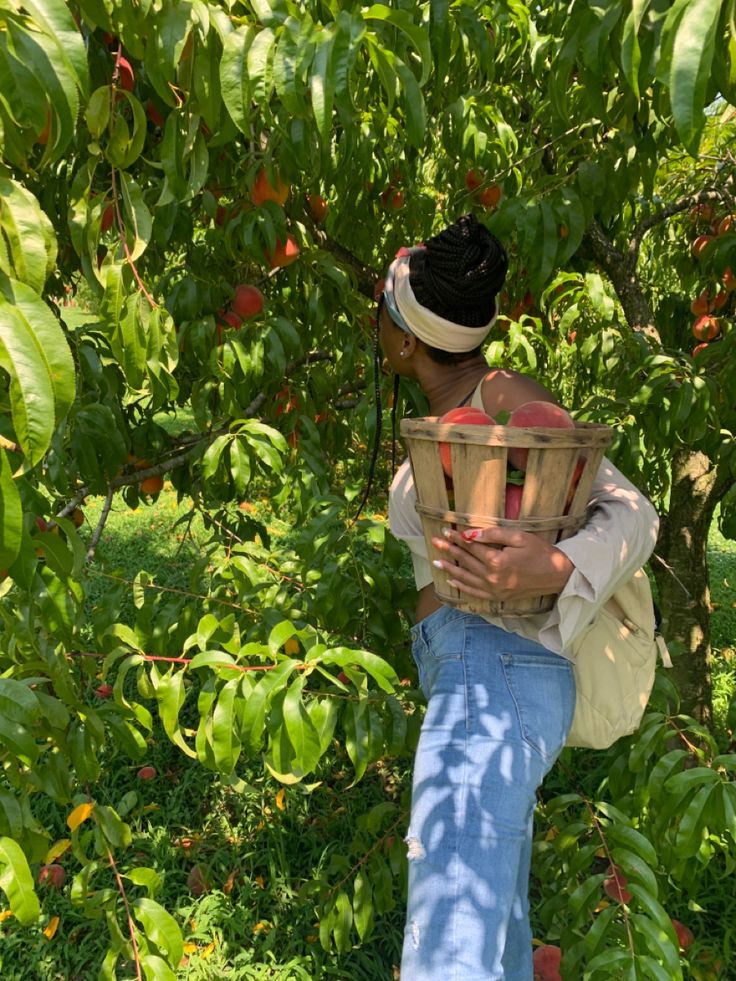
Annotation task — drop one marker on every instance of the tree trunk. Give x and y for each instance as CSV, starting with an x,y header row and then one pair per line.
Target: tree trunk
x,y
680,567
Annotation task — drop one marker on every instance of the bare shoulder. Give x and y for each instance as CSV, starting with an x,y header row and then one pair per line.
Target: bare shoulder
x,y
504,390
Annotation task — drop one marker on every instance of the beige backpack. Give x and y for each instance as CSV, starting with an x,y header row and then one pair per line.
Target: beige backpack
x,y
614,661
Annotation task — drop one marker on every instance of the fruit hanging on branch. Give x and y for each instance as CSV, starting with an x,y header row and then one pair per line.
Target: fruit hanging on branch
x,y
284,254
263,190
248,301
706,328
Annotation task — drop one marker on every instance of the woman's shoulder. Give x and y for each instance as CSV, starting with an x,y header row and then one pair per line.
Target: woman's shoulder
x,y
503,390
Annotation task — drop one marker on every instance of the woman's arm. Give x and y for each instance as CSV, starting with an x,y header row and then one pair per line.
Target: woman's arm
x,y
501,564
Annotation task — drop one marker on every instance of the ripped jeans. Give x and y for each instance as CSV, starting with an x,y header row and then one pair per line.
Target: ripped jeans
x,y
499,709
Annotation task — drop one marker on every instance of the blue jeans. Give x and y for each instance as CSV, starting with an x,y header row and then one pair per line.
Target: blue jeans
x,y
499,709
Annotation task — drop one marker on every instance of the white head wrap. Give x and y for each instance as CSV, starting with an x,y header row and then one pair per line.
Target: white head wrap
x,y
434,330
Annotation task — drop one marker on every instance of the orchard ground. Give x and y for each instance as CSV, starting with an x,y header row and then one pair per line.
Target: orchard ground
x,y
241,870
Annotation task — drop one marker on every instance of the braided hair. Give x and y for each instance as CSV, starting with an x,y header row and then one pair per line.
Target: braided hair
x,y
459,273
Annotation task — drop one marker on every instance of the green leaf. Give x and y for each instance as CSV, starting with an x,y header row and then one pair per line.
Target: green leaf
x,y
302,733
363,736
416,34
693,822
161,928
31,390
322,84
690,68
11,515
630,50
55,18
115,832
234,77
28,234
225,739
16,882
137,214
171,693
362,905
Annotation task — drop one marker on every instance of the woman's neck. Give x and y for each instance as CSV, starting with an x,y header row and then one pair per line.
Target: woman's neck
x,y
447,385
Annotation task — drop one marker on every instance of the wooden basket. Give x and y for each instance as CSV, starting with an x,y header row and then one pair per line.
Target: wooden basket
x,y
475,497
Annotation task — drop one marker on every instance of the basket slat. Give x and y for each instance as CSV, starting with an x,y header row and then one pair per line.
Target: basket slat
x,y
476,495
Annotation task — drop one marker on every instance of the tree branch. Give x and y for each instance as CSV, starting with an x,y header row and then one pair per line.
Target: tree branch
x,y
104,515
669,211
621,270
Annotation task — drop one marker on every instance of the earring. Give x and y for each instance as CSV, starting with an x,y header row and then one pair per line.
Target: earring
x,y
401,354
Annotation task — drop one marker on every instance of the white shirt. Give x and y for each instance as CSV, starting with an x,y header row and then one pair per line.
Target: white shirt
x,y
617,539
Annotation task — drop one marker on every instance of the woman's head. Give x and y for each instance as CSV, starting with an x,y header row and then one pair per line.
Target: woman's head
x,y
444,293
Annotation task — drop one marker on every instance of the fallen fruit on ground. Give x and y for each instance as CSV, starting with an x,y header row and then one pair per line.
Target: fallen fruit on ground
x,y
284,254
196,881
152,485
464,415
248,301
263,190
546,960
104,690
536,413
147,773
52,876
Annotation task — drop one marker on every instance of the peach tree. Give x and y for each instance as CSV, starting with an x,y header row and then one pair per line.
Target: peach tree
x,y
226,182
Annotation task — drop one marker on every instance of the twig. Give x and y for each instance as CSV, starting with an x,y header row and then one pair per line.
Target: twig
x,y
672,572
97,533
131,926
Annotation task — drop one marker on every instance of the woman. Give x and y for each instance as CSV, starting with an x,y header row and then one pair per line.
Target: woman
x,y
500,692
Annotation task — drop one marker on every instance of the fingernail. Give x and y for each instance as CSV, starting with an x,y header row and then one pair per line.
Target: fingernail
x,y
436,563
471,535
446,532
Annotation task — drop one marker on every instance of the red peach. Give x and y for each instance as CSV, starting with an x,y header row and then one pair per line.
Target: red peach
x,y
536,413
263,190
52,876
248,301
147,773
464,415
126,76
615,886
546,962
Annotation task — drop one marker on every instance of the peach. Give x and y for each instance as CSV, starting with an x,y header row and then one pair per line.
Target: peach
x,y
52,876
464,415
706,328
615,886
263,190
536,413
546,962
248,301
284,254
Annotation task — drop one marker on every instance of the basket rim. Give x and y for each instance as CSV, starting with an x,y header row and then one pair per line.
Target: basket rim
x,y
583,435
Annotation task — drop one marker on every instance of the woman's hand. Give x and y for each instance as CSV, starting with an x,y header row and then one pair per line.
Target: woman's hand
x,y
502,564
